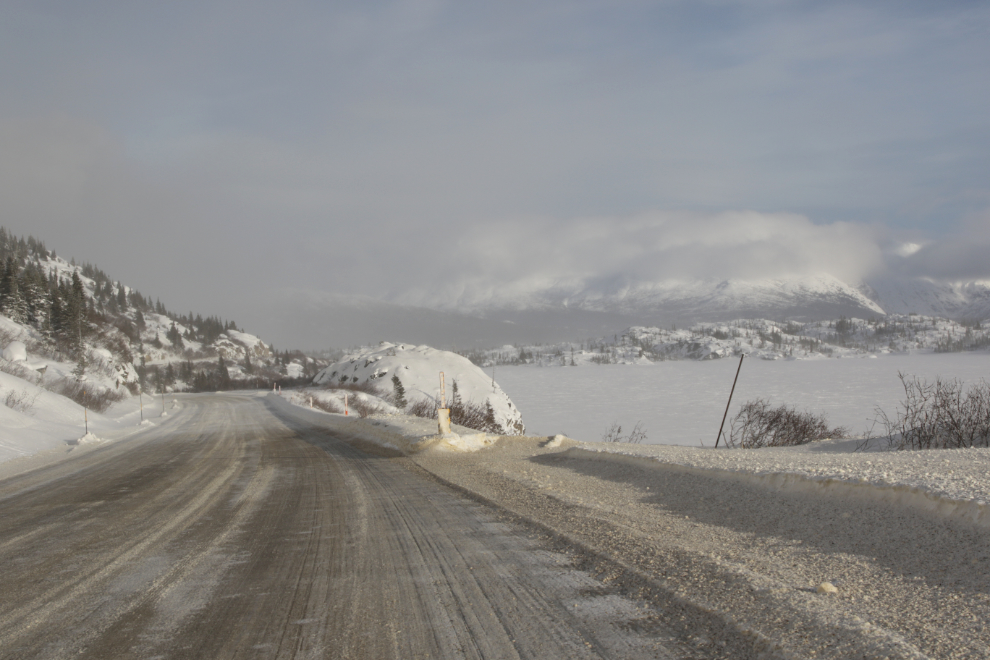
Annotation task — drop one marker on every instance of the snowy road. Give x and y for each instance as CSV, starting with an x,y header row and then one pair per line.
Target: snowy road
x,y
229,531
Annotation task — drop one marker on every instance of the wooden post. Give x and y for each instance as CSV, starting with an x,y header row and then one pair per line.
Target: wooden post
x,y
731,392
443,412
345,404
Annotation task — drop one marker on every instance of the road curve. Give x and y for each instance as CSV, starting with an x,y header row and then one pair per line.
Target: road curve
x,y
229,531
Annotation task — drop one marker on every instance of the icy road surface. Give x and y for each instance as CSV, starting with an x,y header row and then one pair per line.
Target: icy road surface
x,y
233,531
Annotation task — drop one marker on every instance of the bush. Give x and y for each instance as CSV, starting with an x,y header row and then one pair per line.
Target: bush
x,y
939,415
467,414
758,424
20,400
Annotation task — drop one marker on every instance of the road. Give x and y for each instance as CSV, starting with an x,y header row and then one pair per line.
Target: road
x,y
231,531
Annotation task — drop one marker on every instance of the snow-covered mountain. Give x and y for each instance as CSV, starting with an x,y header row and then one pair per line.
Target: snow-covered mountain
x,y
803,298
806,297
954,300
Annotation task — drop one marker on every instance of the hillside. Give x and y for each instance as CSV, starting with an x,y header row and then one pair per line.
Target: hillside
x,y
74,320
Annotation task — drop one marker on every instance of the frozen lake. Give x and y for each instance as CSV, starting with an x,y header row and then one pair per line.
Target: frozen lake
x,y
683,402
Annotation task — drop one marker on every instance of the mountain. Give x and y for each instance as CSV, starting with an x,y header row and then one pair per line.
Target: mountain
x,y
954,300
677,300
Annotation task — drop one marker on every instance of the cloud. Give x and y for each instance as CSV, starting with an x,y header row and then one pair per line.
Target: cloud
x,y
526,255
959,256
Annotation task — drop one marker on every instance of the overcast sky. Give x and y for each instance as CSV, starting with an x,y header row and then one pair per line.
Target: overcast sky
x,y
202,149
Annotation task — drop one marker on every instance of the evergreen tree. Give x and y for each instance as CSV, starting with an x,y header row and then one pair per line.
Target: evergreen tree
x,y
223,375
12,303
455,399
81,365
490,424
398,392
248,367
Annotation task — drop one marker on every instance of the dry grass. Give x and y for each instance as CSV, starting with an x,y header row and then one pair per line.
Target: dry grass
x,y
614,434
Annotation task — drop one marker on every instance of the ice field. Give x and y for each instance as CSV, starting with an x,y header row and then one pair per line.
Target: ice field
x,y
682,402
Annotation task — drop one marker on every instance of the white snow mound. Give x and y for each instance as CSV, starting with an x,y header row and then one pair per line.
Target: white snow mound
x,y
418,369
15,351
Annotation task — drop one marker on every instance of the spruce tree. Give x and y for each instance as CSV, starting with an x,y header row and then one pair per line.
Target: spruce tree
x,y
489,423
81,365
223,375
398,392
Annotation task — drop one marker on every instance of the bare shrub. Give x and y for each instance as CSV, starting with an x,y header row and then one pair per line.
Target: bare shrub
x,y
330,405
19,370
364,408
85,394
367,387
19,400
614,434
7,336
424,408
939,415
463,413
758,424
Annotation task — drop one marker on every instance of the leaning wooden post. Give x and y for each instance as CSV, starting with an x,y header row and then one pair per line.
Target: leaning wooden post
x,y
731,392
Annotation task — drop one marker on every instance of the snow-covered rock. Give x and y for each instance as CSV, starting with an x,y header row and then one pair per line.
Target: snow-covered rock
x,y
15,351
418,369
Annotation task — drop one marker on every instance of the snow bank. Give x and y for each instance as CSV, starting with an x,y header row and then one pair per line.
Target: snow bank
x,y
15,351
949,483
418,369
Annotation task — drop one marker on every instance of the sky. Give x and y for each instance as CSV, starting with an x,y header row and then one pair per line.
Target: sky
x,y
214,152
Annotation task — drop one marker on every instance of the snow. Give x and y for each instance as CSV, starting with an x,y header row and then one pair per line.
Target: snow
x,y
419,368
52,420
15,351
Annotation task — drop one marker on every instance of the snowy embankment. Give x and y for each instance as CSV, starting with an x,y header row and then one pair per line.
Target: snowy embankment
x,y
45,421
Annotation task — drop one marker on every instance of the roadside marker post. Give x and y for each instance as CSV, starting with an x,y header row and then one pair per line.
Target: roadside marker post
x,y
731,392
345,404
443,412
